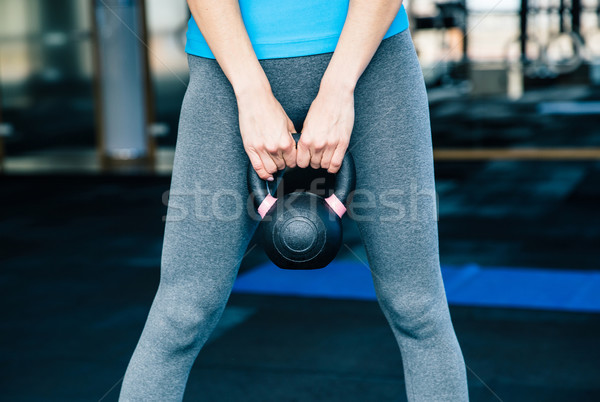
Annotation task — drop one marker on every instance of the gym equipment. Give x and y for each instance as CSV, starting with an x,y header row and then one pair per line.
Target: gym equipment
x,y
564,48
301,230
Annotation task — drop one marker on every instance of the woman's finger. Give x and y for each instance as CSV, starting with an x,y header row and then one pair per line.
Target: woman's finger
x,y
337,158
315,159
316,148
257,164
303,154
277,158
271,148
328,154
268,163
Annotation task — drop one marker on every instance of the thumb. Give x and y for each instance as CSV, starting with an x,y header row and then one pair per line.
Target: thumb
x,y
290,126
289,153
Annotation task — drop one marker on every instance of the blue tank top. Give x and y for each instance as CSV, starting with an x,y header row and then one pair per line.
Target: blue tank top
x,y
289,28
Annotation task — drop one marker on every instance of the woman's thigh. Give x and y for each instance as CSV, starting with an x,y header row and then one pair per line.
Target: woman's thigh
x,y
395,204
209,223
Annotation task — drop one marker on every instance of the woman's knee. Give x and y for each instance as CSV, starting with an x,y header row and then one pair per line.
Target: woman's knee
x,y
185,320
416,315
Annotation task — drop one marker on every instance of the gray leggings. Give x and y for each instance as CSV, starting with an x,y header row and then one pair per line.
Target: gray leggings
x,y
393,206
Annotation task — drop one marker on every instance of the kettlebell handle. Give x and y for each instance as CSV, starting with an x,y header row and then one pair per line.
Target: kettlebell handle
x,y
263,190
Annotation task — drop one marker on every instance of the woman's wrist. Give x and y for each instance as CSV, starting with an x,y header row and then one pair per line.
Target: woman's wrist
x,y
337,82
250,84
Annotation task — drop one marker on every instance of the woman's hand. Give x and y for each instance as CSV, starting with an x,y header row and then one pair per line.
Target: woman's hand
x,y
266,132
327,128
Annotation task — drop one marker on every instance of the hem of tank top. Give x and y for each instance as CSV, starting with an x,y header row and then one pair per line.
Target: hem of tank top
x,y
316,39
260,47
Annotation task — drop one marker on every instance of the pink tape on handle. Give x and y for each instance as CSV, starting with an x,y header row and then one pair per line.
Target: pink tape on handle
x,y
335,204
266,205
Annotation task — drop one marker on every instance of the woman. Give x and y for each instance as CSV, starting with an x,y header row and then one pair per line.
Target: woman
x,y
345,74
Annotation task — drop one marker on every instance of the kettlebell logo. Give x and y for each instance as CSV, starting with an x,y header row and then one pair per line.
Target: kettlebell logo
x,y
303,230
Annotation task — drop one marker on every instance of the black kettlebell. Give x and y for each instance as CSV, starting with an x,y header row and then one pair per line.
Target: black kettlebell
x,y
301,230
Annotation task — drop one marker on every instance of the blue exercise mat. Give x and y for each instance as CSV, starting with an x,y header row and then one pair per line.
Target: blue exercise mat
x,y
469,285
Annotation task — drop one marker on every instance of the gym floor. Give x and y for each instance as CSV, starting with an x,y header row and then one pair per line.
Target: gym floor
x,y
80,265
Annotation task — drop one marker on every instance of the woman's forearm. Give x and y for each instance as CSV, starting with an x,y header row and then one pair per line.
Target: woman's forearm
x,y
221,24
366,24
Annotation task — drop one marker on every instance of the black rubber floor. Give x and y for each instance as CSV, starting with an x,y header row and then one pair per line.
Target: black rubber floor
x,y
79,267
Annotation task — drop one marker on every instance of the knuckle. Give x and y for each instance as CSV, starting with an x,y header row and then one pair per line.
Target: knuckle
x,y
286,145
303,143
319,145
257,166
262,173
271,148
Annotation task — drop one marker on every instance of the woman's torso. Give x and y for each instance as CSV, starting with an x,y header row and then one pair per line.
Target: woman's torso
x,y
290,28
